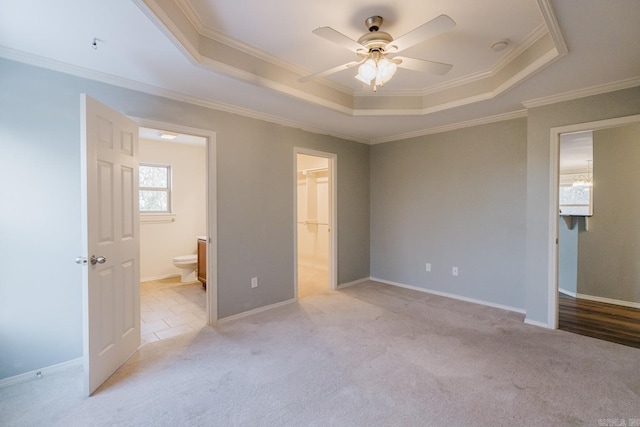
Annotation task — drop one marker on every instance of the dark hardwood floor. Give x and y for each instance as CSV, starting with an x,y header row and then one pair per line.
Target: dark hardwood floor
x,y
599,320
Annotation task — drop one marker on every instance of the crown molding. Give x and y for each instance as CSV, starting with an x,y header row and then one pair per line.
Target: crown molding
x,y
110,79
549,16
528,42
209,48
213,34
454,126
583,93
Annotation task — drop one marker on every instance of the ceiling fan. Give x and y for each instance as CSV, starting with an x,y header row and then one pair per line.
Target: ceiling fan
x,y
373,47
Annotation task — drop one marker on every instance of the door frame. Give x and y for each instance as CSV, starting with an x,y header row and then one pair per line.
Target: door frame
x,y
333,215
554,218
211,206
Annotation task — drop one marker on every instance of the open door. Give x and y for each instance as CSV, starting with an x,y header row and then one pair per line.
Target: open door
x,y
111,285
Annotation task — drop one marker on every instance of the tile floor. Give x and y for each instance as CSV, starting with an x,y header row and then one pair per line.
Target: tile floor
x,y
169,308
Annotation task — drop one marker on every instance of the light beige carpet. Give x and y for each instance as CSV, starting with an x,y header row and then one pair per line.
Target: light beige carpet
x,y
312,281
370,355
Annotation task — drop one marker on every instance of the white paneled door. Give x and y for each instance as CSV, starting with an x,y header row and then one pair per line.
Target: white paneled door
x,y
111,288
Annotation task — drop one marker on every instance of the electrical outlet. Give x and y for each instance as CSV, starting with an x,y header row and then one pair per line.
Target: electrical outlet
x,y
427,267
454,271
254,282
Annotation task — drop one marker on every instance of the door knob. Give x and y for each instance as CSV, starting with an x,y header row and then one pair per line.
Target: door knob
x,y
97,260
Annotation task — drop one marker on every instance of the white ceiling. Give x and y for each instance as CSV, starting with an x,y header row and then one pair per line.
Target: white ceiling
x,y
246,56
180,138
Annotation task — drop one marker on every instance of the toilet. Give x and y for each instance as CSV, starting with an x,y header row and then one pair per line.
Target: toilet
x,y
188,264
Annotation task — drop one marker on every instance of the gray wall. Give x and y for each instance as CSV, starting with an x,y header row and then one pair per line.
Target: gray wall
x,y
540,121
609,252
568,253
453,199
40,288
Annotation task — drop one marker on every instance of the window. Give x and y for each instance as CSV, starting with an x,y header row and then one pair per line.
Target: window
x,y
576,200
155,188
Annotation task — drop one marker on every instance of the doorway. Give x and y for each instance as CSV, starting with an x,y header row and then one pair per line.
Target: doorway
x,y
173,306
599,268
173,208
315,208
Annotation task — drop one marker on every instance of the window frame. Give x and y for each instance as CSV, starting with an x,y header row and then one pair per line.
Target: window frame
x,y
168,190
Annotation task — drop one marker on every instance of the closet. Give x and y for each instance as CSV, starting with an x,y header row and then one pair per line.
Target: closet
x,y
313,230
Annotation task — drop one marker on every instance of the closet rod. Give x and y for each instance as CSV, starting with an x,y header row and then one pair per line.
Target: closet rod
x,y
312,223
312,170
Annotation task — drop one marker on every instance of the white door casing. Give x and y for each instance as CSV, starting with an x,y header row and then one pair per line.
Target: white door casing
x,y
110,227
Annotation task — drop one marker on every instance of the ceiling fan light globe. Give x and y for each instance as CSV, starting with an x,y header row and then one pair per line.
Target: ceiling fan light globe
x,y
367,71
386,70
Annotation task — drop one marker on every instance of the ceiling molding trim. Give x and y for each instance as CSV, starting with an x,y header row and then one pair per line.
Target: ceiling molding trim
x,y
220,37
529,66
527,44
274,85
454,126
232,58
191,14
61,67
583,93
427,110
541,63
280,63
232,62
215,35
539,53
171,30
549,16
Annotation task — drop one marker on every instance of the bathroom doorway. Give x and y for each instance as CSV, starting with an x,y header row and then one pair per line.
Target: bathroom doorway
x,y
314,222
175,224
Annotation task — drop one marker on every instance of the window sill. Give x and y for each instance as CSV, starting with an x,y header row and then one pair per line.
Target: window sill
x,y
156,218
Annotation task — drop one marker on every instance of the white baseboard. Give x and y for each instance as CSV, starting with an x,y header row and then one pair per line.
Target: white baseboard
x,y
448,295
355,282
536,323
566,292
39,373
164,276
608,300
254,311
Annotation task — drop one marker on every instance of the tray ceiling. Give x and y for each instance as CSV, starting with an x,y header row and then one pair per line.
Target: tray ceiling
x,y
246,57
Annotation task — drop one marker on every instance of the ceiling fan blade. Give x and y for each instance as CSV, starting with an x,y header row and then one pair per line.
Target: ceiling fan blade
x,y
338,38
423,66
425,31
327,72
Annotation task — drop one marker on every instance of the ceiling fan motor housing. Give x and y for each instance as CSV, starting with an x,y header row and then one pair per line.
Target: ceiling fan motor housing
x,y
373,23
374,39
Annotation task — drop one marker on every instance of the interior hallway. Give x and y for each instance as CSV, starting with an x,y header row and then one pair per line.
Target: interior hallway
x,y
169,308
